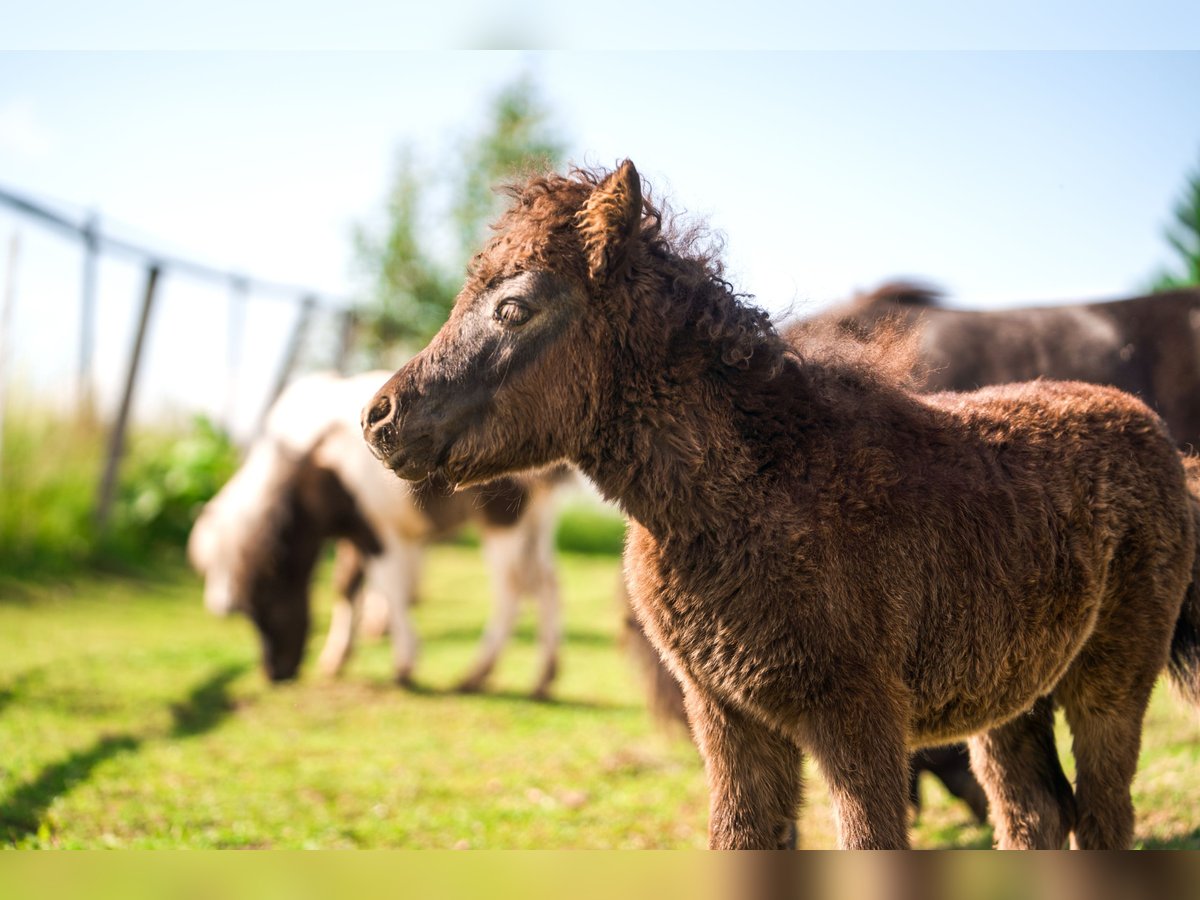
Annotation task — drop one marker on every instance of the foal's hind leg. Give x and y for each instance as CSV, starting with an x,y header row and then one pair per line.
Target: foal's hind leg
x,y
1105,696
1032,806
754,777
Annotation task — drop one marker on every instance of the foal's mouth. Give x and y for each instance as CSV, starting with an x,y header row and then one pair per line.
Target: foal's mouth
x,y
414,460
408,468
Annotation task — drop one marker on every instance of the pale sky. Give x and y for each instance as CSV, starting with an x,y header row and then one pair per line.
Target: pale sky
x,y
1007,178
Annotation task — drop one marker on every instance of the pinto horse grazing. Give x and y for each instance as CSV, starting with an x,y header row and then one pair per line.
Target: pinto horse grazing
x,y
310,479
829,561
1148,346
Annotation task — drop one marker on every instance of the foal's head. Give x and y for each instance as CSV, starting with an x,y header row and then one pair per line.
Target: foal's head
x,y
570,304
259,541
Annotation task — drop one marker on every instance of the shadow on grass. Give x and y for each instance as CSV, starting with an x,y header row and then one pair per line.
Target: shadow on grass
x,y
512,696
206,704
202,710
29,583
16,688
524,634
21,811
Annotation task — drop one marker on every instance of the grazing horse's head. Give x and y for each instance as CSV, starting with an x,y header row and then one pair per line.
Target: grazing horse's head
x,y
513,378
258,542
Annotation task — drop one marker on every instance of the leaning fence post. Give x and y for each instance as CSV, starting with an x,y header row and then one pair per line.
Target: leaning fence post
x,y
346,338
84,396
290,357
116,442
238,290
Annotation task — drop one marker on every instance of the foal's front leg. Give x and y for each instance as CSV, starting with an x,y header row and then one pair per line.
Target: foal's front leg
x,y
859,744
754,777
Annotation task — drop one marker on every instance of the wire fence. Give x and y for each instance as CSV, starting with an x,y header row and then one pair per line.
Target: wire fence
x,y
332,344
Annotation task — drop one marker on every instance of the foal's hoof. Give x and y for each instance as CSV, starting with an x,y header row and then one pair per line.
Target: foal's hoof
x,y
541,693
405,680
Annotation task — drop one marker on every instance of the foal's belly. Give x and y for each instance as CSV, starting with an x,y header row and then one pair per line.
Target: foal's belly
x,y
978,679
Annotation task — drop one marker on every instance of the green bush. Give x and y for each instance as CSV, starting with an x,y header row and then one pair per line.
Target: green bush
x,y
582,528
587,528
168,478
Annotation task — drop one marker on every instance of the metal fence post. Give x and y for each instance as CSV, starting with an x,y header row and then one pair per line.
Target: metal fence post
x,y
346,338
290,357
239,289
116,443
84,395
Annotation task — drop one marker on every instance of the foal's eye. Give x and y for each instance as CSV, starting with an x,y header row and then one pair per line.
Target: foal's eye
x,y
512,312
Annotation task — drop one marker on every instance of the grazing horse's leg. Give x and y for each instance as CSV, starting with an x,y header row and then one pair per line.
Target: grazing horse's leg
x,y
392,572
375,615
549,625
505,553
543,578
859,744
1032,807
348,568
754,777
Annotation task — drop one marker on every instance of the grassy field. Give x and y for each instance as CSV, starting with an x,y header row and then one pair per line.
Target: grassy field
x,y
131,718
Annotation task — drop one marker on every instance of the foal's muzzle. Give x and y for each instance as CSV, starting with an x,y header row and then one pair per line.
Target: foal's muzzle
x,y
408,453
379,425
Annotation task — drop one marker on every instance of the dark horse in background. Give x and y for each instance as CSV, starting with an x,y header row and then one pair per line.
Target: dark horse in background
x,y
1148,346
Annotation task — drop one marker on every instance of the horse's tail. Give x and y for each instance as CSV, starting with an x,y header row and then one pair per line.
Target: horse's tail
x,y
1184,664
664,696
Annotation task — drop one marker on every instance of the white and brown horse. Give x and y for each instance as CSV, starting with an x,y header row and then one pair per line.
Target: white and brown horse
x,y
307,480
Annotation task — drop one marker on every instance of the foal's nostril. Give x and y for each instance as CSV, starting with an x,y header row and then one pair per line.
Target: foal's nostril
x,y
379,411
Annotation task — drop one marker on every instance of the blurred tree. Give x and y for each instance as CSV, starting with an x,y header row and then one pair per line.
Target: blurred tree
x,y
1183,234
413,266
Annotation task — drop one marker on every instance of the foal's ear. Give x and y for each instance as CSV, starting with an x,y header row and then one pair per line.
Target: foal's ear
x,y
609,221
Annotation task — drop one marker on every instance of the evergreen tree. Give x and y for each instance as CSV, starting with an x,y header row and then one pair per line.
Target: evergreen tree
x,y
1183,234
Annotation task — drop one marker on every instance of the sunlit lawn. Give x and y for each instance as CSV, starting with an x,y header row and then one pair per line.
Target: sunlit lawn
x,y
131,718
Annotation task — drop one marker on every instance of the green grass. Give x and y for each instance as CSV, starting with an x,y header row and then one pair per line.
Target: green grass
x,y
131,718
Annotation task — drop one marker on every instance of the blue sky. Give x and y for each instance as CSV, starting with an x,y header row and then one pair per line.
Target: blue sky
x,y
1006,177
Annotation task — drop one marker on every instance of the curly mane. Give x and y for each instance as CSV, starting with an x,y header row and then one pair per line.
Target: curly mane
x,y
676,265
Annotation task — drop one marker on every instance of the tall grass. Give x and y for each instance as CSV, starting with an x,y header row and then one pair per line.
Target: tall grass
x,y
49,474
48,477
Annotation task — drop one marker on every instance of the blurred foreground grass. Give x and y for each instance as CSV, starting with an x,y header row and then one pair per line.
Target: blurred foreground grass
x,y
131,718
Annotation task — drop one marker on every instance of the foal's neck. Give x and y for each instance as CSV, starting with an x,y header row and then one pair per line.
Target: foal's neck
x,y
680,459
